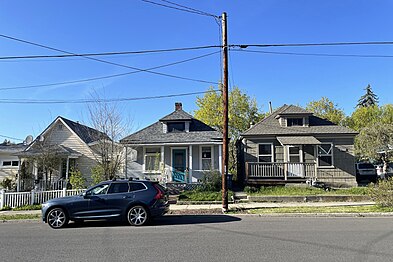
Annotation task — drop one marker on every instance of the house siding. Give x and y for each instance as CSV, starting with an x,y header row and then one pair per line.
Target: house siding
x,y
66,138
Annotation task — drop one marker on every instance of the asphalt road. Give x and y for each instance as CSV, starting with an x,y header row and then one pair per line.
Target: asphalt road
x,y
204,238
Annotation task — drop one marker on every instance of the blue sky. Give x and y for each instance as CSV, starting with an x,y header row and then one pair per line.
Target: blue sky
x,y
106,26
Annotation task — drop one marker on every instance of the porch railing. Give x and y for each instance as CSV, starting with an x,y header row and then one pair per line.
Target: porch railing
x,y
282,170
41,184
18,199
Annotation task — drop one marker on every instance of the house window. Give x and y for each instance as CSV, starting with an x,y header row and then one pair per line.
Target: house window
x,y
295,122
294,154
10,163
176,127
206,157
325,155
60,127
152,159
265,153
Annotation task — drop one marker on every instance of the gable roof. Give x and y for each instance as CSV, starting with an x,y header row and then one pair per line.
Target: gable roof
x,y
271,126
87,134
153,134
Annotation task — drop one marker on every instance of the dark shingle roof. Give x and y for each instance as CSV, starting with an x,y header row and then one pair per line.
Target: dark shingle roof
x,y
177,115
12,148
271,126
87,134
153,134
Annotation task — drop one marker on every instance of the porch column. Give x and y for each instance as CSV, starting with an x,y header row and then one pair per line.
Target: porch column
x,y
35,173
163,172
18,178
220,158
190,164
67,167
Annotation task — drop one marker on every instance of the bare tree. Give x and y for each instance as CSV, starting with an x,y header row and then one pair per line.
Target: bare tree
x,y
107,119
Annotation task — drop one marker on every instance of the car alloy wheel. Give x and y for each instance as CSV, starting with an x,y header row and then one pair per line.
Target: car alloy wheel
x,y
137,216
57,218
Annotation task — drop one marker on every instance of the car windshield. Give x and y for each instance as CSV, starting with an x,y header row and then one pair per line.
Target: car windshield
x,y
366,166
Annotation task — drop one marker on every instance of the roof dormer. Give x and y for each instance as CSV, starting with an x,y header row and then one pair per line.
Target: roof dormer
x,y
294,116
177,121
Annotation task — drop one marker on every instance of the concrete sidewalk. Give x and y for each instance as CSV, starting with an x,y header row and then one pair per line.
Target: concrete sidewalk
x,y
237,206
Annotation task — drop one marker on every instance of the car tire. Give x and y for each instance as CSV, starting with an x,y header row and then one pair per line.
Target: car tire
x,y
57,218
138,216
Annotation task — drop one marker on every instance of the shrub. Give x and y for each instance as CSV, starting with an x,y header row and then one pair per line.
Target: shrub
x,y
382,193
97,174
211,181
77,180
250,189
8,183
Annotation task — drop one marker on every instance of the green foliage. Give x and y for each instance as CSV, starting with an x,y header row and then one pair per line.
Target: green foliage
x,y
365,116
325,108
8,183
97,174
6,208
28,207
303,191
368,99
196,195
250,189
211,181
373,139
242,110
382,193
77,180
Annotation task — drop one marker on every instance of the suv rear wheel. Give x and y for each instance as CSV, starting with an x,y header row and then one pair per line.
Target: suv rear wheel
x,y
57,218
137,216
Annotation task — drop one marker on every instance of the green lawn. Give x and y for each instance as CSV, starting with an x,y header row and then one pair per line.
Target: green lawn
x,y
303,191
340,209
19,216
195,195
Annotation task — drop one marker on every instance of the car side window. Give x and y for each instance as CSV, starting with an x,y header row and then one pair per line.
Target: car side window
x,y
137,186
98,190
118,188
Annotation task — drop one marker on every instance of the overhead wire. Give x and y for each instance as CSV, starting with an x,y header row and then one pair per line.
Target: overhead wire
x,y
313,54
13,138
108,53
184,9
314,44
108,62
79,101
104,77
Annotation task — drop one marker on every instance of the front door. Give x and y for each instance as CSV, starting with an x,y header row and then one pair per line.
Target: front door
x,y
295,159
179,165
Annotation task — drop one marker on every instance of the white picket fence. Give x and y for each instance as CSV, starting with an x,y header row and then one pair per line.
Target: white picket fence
x,y
18,199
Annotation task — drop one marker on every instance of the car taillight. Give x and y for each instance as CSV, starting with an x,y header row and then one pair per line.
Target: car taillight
x,y
159,194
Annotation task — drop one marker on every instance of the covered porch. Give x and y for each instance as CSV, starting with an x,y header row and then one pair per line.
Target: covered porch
x,y
46,169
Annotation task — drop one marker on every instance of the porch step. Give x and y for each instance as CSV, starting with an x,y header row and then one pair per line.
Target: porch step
x,y
173,199
240,195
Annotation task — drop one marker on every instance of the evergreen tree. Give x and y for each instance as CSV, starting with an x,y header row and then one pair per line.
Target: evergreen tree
x,y
368,99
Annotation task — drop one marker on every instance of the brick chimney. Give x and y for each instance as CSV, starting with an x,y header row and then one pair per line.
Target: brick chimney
x,y
178,106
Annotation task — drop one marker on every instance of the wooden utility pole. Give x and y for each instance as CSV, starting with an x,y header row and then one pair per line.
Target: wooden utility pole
x,y
225,153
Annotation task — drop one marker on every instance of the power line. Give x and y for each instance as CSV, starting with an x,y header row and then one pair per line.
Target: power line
x,y
10,137
104,77
79,101
108,62
108,53
314,44
180,8
313,54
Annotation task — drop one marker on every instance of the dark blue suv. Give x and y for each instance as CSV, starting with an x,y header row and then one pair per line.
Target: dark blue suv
x,y
134,201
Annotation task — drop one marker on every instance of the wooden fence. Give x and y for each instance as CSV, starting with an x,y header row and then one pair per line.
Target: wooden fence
x,y
18,199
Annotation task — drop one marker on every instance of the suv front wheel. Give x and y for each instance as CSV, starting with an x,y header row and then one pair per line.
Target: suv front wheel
x,y
137,216
57,218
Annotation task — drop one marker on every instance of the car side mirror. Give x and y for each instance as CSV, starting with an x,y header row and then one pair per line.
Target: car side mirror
x,y
85,195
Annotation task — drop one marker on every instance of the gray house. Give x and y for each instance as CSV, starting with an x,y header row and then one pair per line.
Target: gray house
x,y
293,145
177,148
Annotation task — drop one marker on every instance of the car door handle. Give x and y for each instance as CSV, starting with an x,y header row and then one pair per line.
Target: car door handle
x,y
126,197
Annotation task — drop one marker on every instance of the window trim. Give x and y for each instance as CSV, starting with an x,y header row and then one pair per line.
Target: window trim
x,y
11,162
271,155
159,153
300,153
303,121
331,154
211,157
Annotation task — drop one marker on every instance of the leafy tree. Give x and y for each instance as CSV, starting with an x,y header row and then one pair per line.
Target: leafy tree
x,y
367,116
368,99
325,108
242,110
376,142
97,174
77,180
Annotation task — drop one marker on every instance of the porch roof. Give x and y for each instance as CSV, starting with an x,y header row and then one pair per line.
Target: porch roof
x,y
298,140
56,150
